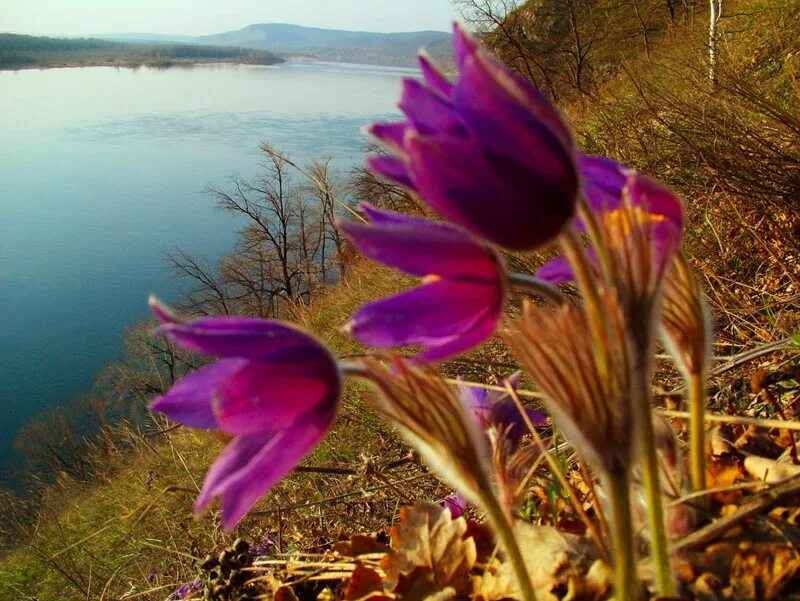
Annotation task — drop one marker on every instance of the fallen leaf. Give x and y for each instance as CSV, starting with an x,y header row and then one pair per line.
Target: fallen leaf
x,y
764,571
364,583
722,471
770,470
430,545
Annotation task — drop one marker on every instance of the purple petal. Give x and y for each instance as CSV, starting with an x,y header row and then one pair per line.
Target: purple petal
x,y
419,247
464,44
266,396
390,134
480,331
556,271
245,337
476,401
456,504
189,401
428,111
434,78
512,117
392,168
501,201
603,181
655,198
251,465
423,315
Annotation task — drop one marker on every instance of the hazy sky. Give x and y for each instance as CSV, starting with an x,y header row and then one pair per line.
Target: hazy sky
x,y
194,17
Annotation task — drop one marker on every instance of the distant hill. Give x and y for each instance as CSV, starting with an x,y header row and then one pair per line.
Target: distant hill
x,y
396,49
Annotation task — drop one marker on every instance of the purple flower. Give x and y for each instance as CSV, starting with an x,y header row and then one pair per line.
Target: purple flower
x,y
462,296
457,504
488,152
275,389
608,186
493,408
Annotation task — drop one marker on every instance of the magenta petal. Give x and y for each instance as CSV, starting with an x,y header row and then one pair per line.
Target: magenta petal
x,y
556,271
655,198
603,181
272,395
428,111
420,247
500,202
235,336
464,44
392,168
480,330
251,465
189,401
390,134
427,315
434,78
521,124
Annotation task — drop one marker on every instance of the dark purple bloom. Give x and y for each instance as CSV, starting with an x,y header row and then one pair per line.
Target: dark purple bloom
x,y
488,151
275,389
462,296
493,408
457,504
608,186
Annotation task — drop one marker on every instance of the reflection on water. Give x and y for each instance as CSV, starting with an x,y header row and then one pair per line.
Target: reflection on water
x,y
103,170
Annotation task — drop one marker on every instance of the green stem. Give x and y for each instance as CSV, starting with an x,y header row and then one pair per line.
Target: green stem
x,y
697,430
652,484
625,578
502,527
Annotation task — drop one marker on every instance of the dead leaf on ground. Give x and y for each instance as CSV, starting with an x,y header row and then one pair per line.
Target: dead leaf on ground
x,y
723,471
365,583
430,546
770,470
764,572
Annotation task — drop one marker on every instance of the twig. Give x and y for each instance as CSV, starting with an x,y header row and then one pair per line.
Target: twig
x,y
735,419
755,505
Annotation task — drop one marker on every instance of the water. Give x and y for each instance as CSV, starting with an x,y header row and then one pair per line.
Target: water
x,y
102,170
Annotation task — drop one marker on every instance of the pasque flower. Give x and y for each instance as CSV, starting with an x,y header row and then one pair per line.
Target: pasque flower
x,y
488,151
275,389
616,194
462,296
494,408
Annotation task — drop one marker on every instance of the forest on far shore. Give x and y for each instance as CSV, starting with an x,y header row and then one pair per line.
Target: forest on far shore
x,y
25,51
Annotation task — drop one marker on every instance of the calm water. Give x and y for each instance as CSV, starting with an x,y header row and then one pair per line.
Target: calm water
x,y
103,169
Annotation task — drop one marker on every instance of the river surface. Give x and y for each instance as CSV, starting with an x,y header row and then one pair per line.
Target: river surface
x,y
102,170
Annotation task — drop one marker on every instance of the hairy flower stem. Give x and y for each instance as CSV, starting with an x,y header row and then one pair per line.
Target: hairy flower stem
x,y
651,475
545,290
598,241
626,580
502,527
576,255
697,430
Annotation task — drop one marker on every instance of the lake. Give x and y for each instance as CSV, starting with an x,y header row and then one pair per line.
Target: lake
x,y
104,169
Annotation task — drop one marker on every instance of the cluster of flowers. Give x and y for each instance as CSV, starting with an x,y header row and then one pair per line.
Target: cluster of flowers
x,y
494,159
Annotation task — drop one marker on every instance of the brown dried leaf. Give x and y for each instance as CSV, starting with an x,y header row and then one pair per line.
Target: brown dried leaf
x,y
764,571
365,583
770,470
722,472
496,583
559,561
429,545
